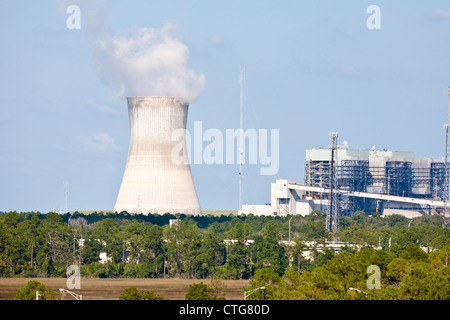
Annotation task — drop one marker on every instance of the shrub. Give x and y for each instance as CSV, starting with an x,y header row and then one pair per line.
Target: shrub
x,y
198,291
28,292
133,294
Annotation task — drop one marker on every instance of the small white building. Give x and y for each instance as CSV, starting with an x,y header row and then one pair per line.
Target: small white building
x,y
285,200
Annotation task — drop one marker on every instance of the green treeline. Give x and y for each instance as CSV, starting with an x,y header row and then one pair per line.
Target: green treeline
x,y
414,275
34,244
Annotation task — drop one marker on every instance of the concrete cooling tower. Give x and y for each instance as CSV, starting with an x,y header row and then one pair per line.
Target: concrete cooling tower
x,y
152,181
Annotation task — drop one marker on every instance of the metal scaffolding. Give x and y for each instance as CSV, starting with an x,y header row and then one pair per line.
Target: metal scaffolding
x,y
352,175
418,179
399,178
429,180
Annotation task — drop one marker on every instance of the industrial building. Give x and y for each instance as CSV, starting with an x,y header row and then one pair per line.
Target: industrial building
x,y
153,182
340,181
384,172
388,182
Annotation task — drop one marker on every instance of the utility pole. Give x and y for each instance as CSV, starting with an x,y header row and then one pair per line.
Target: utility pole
x,y
333,207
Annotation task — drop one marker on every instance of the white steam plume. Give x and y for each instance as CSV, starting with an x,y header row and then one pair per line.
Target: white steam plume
x,y
150,63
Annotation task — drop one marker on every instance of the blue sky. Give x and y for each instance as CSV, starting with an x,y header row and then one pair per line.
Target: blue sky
x,y
310,68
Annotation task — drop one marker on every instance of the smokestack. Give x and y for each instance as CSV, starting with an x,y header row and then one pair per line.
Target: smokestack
x,y
152,181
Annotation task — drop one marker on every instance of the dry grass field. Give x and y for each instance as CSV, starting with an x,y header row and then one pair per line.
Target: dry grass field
x,y
110,289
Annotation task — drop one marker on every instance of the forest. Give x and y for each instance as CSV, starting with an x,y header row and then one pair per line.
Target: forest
x,y
136,246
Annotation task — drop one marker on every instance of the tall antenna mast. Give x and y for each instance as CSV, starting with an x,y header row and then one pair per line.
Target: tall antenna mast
x,y
446,222
241,134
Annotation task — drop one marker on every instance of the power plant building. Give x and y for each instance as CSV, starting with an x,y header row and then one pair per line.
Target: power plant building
x,y
388,182
384,172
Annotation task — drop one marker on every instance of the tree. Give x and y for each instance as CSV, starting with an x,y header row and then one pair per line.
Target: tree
x,y
315,230
412,284
380,258
11,241
29,231
267,278
57,241
53,217
353,235
135,246
318,215
321,258
440,258
237,253
297,253
345,270
198,291
239,232
437,284
414,253
396,220
173,246
183,243
360,217
216,288
396,269
91,251
132,293
28,292
268,252
190,237
106,232
302,286
153,245
212,251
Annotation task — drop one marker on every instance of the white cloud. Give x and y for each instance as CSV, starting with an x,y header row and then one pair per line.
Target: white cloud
x,y
100,143
439,14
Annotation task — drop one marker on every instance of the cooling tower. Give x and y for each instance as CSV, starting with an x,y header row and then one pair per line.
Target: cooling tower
x,y
152,181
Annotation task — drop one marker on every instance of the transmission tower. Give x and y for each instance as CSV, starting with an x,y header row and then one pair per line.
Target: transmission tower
x,y
446,222
333,207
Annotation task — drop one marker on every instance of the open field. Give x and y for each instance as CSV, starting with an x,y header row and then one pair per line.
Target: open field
x,y
110,289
